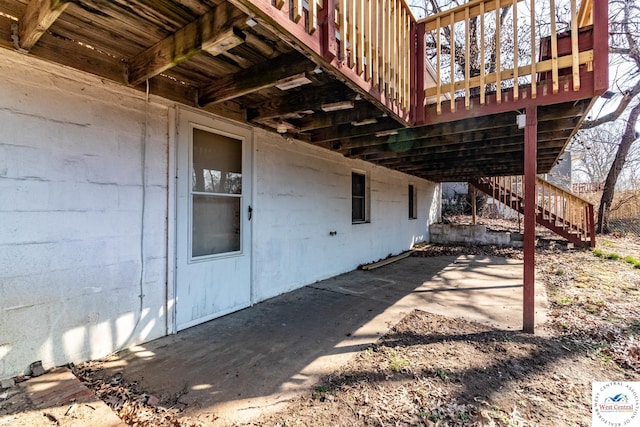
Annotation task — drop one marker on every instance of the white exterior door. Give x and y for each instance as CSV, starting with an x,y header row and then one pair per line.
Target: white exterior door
x,y
213,233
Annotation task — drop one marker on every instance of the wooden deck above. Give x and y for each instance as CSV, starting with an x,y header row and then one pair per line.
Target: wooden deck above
x,y
355,76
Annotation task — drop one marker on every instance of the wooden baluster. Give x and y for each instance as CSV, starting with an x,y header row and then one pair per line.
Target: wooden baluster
x,y
438,68
313,16
408,41
467,58
534,59
505,193
575,54
540,198
492,180
343,30
360,11
368,33
388,48
510,189
482,70
452,62
575,212
375,42
516,82
403,54
394,44
389,60
297,10
498,64
554,48
384,25
353,14
396,50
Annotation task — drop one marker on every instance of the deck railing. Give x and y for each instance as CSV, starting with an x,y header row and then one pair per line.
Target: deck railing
x,y
374,38
482,52
491,46
369,41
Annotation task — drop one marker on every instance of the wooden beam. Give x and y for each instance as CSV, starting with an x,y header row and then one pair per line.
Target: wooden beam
x,y
563,116
495,148
38,17
451,160
260,76
216,31
349,131
362,110
296,102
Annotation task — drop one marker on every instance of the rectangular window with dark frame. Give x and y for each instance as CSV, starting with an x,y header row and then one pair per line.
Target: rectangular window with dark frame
x,y
358,197
413,211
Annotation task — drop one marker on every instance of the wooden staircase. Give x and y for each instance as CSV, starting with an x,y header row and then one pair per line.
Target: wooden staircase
x,y
559,210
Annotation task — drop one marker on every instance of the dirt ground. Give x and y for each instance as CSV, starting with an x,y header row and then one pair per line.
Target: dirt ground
x,y
434,370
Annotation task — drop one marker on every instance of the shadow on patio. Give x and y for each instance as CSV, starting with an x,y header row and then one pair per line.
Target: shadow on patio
x,y
254,361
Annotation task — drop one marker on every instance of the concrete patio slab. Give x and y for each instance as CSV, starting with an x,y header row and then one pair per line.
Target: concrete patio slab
x,y
235,368
56,398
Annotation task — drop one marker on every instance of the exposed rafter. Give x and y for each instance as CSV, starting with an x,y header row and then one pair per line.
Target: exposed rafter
x,y
38,17
362,110
216,32
258,77
350,131
296,102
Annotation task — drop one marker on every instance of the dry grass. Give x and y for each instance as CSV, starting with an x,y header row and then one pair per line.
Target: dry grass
x,y
432,370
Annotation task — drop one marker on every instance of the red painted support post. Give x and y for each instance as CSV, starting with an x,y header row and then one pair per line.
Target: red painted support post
x,y
418,58
530,169
600,46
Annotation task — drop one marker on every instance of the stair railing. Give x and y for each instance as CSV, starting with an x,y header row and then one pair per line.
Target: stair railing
x,y
563,209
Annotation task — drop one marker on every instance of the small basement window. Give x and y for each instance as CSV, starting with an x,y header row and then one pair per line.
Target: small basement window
x,y
358,197
413,205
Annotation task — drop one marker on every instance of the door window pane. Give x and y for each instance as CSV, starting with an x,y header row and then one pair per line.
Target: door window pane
x,y
216,194
217,163
216,225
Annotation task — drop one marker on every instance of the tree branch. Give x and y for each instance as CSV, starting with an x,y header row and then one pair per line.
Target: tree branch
x,y
628,96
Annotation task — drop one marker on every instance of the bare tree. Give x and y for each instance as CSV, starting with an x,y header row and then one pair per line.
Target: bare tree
x,y
624,30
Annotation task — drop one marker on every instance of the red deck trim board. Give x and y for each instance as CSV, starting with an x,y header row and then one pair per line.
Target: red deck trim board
x,y
600,46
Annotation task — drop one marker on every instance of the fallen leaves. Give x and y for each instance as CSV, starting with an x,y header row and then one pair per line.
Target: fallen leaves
x,y
134,407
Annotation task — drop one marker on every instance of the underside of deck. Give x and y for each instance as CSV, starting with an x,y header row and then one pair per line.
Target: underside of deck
x,y
234,59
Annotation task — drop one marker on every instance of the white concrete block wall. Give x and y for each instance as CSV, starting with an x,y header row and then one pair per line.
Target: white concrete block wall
x,y
71,154
304,192
72,149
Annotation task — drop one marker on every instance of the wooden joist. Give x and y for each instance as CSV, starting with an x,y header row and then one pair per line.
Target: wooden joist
x,y
260,76
216,32
38,17
361,111
295,103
